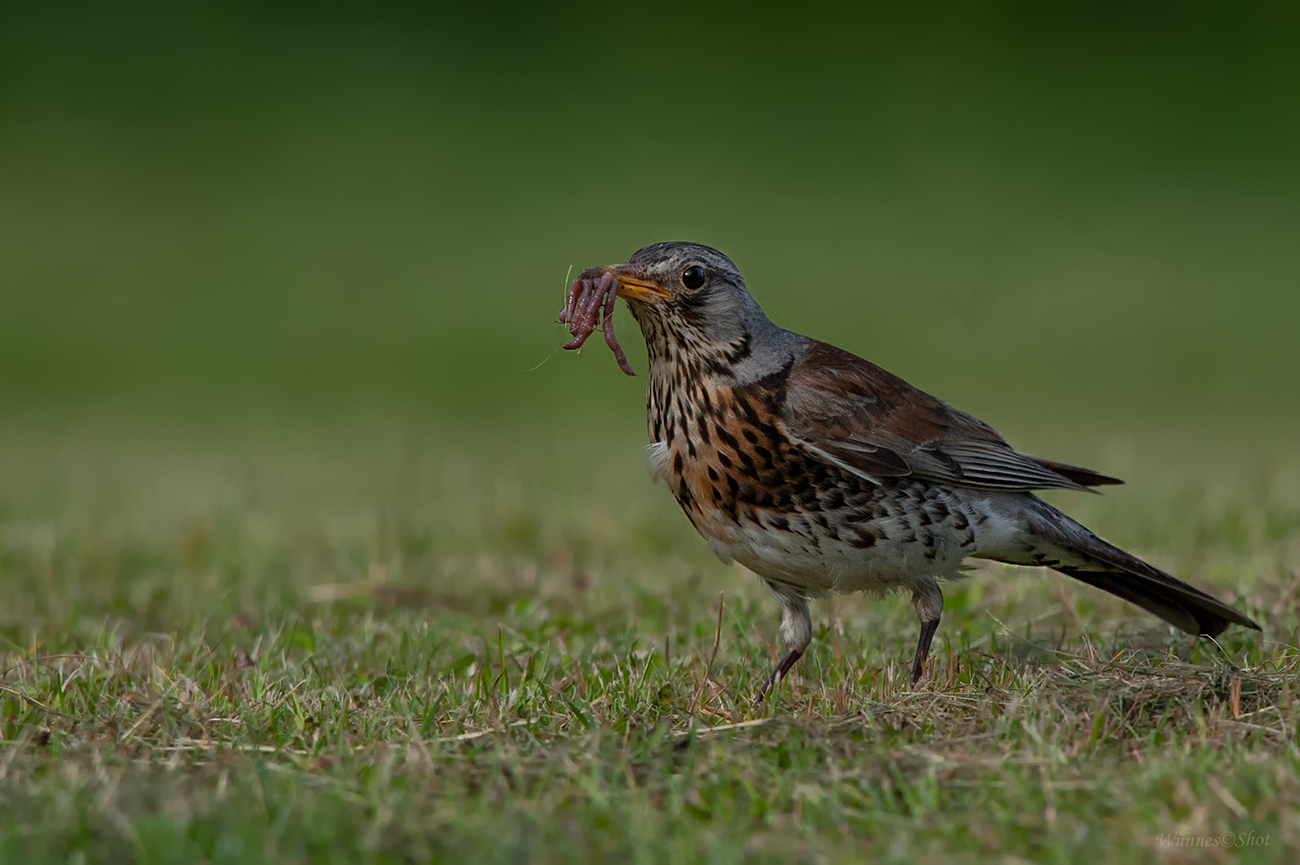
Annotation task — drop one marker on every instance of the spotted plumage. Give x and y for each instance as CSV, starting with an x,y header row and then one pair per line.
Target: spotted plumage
x,y
822,472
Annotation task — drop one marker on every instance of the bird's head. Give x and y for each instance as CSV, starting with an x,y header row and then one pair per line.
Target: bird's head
x,y
687,298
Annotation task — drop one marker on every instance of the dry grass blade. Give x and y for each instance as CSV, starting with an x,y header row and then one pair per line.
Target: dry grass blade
x,y
478,734
708,670
721,728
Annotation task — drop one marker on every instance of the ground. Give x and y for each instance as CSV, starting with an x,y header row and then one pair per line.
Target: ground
x,y
401,642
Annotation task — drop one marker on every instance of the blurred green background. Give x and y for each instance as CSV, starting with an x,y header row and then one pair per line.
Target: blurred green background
x,y
1044,213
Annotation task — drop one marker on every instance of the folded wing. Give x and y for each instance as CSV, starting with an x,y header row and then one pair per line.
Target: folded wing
x,y
850,412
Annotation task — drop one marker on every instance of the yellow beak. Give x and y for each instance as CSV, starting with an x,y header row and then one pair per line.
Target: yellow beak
x,y
637,289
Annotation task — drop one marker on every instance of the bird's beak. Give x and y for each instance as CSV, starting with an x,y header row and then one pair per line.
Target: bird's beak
x,y
639,289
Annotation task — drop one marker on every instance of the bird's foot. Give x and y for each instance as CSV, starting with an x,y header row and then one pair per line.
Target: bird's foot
x,y
788,660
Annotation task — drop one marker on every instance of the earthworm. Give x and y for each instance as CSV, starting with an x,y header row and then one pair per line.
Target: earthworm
x,y
589,310
591,299
610,339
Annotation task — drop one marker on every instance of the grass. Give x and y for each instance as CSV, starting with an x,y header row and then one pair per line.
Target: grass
x,y
403,643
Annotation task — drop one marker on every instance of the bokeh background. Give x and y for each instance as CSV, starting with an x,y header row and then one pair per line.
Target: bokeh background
x,y
1031,210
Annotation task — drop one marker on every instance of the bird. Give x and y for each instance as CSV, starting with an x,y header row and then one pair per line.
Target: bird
x,y
821,472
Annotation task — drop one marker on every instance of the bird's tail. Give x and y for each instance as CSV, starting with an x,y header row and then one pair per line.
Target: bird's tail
x,y
1058,542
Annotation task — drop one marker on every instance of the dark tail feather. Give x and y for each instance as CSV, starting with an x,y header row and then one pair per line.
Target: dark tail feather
x,y
1086,477
1066,546
1177,603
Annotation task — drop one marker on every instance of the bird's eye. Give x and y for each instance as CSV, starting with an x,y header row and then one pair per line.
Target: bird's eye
x,y
693,277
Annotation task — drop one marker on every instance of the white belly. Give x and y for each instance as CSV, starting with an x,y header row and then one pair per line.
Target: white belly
x,y
820,563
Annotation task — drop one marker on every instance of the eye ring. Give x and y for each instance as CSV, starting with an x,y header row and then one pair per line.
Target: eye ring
x,y
693,277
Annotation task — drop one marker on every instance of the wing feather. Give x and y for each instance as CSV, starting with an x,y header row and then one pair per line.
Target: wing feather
x,y
850,412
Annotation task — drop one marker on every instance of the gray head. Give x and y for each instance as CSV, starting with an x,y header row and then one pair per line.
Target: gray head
x,y
691,301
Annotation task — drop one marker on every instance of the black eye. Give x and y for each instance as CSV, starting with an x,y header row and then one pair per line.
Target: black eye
x,y
693,278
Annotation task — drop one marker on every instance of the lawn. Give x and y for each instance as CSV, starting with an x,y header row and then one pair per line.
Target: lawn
x,y
395,641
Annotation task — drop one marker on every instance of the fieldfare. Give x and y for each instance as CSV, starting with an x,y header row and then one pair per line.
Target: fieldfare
x,y
822,472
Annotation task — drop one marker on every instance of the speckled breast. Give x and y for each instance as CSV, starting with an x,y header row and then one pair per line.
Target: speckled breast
x,y
763,500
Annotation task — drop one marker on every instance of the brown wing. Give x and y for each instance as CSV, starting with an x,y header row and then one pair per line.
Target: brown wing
x,y
851,412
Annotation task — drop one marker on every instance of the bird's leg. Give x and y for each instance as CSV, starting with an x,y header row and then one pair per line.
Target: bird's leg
x,y
928,600
796,630
783,666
